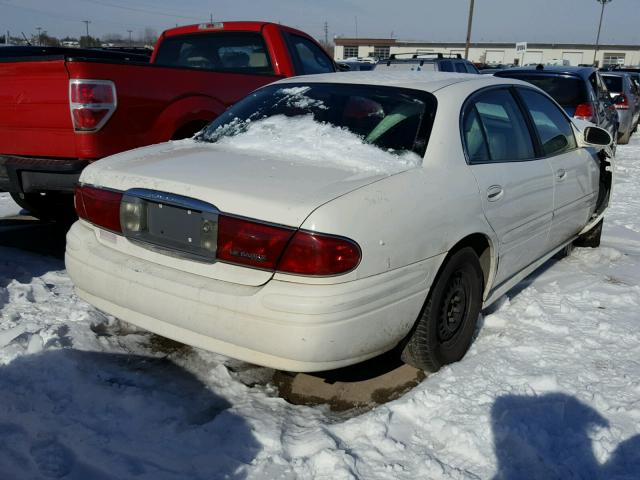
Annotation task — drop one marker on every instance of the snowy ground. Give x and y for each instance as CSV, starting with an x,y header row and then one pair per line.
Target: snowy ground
x,y
550,388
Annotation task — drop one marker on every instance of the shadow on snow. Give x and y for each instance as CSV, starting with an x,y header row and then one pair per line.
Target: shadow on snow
x,y
81,415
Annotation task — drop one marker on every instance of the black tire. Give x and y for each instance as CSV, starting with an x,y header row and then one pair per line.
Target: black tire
x,y
54,206
591,239
445,327
624,138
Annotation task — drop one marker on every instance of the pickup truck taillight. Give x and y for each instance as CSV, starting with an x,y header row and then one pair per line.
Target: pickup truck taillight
x,y
239,241
92,103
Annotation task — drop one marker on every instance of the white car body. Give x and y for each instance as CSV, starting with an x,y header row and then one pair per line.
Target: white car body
x,y
405,224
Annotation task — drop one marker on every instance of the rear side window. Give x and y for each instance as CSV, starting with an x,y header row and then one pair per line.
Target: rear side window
x,y
460,67
446,66
506,135
310,58
613,83
567,91
239,52
554,130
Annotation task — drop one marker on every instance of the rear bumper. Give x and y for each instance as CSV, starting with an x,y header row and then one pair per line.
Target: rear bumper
x,y
283,325
32,174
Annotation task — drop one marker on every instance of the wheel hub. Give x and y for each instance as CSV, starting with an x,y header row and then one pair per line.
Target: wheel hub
x,y
454,306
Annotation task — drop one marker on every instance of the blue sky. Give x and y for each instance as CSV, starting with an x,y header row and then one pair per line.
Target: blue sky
x,y
572,21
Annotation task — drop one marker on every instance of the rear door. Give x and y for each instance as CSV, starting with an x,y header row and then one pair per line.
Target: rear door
x,y
516,187
575,170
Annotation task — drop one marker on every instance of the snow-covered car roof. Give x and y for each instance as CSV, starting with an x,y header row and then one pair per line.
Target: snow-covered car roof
x,y
427,81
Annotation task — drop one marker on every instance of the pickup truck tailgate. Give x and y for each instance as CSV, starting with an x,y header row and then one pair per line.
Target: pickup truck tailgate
x,y
35,119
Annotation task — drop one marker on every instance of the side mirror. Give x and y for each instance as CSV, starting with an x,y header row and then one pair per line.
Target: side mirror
x,y
342,67
597,136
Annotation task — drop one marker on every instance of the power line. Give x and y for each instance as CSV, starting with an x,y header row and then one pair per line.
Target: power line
x,y
141,10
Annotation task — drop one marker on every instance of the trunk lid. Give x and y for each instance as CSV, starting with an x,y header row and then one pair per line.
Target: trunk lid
x,y
264,188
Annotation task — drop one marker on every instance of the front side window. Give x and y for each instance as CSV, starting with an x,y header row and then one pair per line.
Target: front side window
x,y
311,58
395,120
554,130
506,135
239,52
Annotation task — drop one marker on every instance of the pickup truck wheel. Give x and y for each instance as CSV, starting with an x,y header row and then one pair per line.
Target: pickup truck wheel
x,y
445,328
47,206
592,237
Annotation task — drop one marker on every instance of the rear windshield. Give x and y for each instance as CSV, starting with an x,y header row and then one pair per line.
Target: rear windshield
x,y
241,52
613,83
395,120
567,91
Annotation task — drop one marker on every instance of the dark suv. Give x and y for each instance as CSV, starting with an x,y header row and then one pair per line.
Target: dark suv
x,y
579,90
428,62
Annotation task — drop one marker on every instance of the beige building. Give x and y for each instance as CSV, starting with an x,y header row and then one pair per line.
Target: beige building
x,y
492,53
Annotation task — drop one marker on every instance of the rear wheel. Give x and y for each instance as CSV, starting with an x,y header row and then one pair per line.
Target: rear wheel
x,y
47,206
624,138
445,328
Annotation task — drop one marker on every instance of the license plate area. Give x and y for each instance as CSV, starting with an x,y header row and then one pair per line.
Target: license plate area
x,y
176,225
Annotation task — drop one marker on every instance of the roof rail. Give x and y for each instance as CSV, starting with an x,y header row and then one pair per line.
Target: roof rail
x,y
414,55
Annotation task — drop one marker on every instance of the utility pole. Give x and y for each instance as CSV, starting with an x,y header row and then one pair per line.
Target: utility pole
x,y
326,34
130,42
356,20
469,24
211,17
39,35
87,22
595,53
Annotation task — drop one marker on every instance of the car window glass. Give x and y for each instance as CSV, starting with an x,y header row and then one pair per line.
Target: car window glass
x,y
393,119
312,58
470,68
507,133
460,67
224,51
446,66
613,83
554,130
474,139
567,91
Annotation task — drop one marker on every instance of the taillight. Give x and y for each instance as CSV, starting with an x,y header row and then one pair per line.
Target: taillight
x,y
98,206
311,253
584,111
251,243
286,250
92,103
622,102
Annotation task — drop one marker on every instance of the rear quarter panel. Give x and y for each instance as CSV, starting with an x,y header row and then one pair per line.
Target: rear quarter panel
x,y
414,215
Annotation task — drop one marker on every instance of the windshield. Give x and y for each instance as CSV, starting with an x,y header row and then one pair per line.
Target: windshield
x,y
395,120
567,91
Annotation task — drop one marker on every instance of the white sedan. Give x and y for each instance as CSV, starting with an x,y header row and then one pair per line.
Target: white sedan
x,y
324,220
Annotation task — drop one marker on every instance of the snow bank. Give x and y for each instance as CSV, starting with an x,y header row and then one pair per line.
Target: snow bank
x,y
301,139
550,388
8,207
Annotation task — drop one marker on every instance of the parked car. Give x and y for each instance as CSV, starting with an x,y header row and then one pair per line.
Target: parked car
x,y
579,90
429,62
63,108
626,99
324,220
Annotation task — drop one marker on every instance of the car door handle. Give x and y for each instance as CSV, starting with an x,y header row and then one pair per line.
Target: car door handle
x,y
561,174
495,193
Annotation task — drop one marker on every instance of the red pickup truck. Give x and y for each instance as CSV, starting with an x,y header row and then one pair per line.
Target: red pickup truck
x,y
61,109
